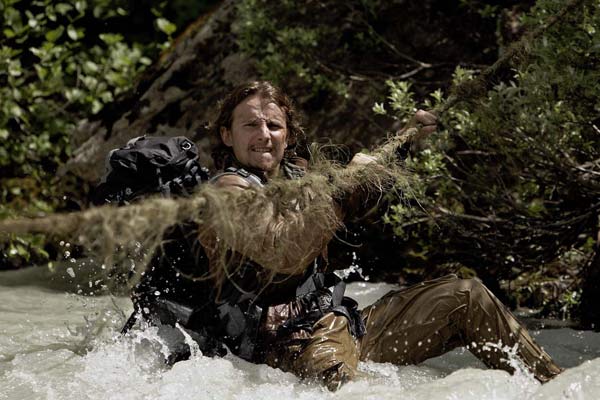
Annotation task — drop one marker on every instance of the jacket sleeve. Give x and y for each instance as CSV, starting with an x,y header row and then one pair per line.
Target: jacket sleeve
x,y
368,187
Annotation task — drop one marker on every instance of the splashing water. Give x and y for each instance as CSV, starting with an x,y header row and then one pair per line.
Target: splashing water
x,y
65,346
353,268
522,376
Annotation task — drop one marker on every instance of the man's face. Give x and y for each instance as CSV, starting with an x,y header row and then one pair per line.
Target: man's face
x,y
258,134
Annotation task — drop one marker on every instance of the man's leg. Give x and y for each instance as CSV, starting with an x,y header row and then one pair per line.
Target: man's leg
x,y
431,318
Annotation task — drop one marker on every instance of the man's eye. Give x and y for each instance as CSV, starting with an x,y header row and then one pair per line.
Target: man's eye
x,y
275,126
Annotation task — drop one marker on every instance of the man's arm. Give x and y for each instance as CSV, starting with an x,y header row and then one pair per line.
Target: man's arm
x,y
423,124
280,239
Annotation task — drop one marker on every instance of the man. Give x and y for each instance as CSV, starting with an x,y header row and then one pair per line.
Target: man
x,y
298,324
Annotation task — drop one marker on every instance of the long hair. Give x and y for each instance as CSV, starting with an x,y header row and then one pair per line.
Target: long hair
x,y
223,155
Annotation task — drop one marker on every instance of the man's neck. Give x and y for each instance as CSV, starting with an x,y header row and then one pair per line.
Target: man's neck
x,y
274,173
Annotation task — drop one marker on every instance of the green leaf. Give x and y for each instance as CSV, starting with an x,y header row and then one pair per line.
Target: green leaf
x,y
97,12
43,253
17,95
50,13
12,250
14,68
63,8
36,52
166,26
4,134
41,71
536,206
72,32
111,38
90,82
22,251
9,33
33,22
379,108
16,111
81,5
54,34
106,97
74,94
96,107
91,66
13,18
24,36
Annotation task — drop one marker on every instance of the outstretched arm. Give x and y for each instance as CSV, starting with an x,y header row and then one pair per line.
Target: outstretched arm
x,y
281,236
363,198
422,124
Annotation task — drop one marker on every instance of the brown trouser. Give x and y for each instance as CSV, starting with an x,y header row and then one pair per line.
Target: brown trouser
x,y
411,325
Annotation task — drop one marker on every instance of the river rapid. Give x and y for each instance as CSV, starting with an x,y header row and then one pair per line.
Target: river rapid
x,y
60,344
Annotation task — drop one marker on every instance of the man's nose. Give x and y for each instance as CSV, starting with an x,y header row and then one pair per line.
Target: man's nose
x,y
264,132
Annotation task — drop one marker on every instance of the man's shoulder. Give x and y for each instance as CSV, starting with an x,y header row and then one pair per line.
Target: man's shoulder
x,y
237,177
230,180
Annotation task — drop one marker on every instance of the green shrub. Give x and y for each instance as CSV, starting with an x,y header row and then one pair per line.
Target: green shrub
x,y
512,180
58,64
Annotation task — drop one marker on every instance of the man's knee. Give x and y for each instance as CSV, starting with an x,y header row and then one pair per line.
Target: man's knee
x,y
331,347
474,291
471,285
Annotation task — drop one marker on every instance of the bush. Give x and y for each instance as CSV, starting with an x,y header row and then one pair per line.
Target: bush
x,y
512,181
58,64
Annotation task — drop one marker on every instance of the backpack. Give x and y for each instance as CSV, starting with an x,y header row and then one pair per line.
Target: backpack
x,y
150,165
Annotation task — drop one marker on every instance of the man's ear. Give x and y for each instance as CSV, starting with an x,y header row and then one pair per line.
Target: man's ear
x,y
226,136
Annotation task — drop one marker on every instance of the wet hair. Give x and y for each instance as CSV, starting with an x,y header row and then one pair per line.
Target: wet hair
x,y
223,155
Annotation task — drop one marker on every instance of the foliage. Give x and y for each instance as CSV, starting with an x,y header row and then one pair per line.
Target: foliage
x,y
327,47
512,181
336,58
284,48
508,184
57,66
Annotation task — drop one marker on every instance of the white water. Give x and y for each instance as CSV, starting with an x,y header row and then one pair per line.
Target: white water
x,y
55,345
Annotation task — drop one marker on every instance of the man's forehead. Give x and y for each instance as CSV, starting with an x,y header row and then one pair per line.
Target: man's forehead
x,y
257,106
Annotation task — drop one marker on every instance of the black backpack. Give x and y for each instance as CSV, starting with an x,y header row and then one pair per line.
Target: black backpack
x,y
150,165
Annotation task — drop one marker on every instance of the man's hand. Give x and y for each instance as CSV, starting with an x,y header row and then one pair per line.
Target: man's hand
x,y
420,126
362,159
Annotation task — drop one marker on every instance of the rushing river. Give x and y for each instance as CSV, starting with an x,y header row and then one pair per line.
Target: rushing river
x,y
56,344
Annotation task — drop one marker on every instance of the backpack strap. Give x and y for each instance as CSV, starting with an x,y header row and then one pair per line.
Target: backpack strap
x,y
316,299
252,179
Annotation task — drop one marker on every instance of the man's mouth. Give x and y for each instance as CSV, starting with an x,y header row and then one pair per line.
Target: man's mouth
x,y
261,149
